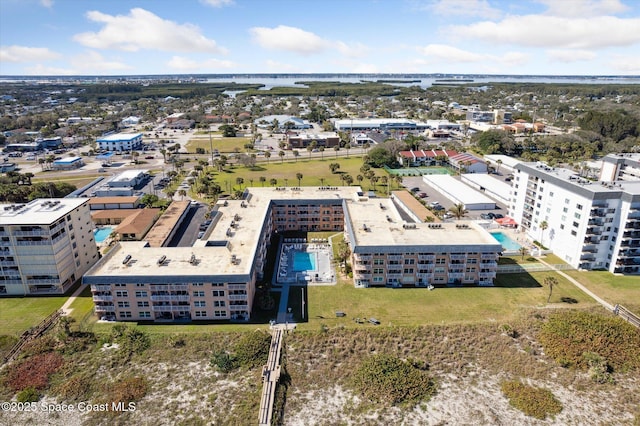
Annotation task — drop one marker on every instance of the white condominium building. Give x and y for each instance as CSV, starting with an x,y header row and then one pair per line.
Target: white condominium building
x,y
590,225
45,245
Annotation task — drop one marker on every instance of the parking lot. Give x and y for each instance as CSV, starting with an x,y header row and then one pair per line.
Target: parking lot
x,y
433,196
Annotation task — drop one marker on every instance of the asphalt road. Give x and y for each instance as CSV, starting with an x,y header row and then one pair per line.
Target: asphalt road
x,y
187,233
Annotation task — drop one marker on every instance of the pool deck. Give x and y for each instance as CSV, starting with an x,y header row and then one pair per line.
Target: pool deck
x,y
286,273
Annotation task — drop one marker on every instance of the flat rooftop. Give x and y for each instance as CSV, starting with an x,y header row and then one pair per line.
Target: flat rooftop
x,y
376,226
117,137
457,189
41,211
492,184
159,233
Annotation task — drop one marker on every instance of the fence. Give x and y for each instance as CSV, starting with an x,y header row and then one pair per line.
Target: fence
x,y
31,334
534,267
627,315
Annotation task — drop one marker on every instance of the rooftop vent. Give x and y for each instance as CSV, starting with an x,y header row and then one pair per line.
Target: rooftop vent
x,y
126,259
162,259
193,259
409,225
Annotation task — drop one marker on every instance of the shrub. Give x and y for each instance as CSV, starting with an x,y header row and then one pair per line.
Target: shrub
x,y
224,362
532,401
77,388
127,390
34,372
252,350
599,369
567,336
28,395
386,378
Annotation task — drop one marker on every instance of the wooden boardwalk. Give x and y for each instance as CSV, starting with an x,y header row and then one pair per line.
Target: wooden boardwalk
x,y
31,334
270,377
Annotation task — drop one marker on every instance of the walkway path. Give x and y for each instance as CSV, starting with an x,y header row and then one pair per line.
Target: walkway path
x,y
597,298
65,308
270,377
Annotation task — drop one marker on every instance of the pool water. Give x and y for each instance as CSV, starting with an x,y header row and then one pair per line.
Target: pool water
x,y
101,234
304,261
506,242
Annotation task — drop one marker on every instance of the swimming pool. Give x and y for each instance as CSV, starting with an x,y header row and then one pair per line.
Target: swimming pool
x,y
303,261
506,242
101,234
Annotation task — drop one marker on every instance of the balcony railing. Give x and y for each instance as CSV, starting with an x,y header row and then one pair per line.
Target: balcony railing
x,y
237,286
394,276
103,298
427,257
427,276
394,257
489,264
237,297
456,275
238,307
105,308
363,257
488,256
101,288
484,275
457,256
170,297
171,308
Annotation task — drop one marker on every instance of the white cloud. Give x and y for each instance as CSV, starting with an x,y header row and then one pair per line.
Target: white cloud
x,y
480,8
47,3
26,54
444,54
40,69
570,55
554,32
354,50
186,64
142,29
290,39
625,64
583,8
94,62
217,3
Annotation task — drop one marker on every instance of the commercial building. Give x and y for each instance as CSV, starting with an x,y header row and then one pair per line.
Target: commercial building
x,y
216,277
385,124
494,188
68,163
423,157
624,167
45,245
119,142
590,225
459,193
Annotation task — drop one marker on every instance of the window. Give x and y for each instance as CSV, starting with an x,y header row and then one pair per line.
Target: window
x,y
409,261
145,314
140,284
219,303
378,261
124,304
562,226
579,206
219,313
200,314
565,210
198,293
122,293
125,314
199,303
408,270
378,270
141,294
218,293
144,304
577,215
574,233
575,224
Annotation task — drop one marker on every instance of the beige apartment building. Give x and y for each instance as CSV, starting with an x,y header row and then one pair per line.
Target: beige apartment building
x,y
45,246
216,278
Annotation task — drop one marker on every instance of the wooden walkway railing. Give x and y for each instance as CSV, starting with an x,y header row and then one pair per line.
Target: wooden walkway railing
x,y
31,334
627,315
270,377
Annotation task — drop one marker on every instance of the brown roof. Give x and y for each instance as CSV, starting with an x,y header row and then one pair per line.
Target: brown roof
x,y
113,213
138,222
157,235
414,205
114,200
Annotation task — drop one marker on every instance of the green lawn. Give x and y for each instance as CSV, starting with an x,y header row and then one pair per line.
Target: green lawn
x,y
624,290
407,307
20,314
313,171
224,145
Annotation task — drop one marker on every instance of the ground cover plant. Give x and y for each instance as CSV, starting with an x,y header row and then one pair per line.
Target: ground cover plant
x,y
534,402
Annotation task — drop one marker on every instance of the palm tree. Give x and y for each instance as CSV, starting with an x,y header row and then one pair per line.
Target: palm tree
x,y
498,162
458,211
182,193
543,227
267,155
281,154
321,149
299,177
295,153
273,182
321,181
262,180
336,149
240,181
550,282
359,178
523,251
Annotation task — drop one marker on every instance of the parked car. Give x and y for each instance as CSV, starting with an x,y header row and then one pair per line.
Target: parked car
x,y
200,234
485,216
498,216
149,157
415,189
422,195
374,321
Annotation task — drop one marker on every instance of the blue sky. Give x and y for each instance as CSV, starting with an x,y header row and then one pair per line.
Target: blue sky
x,y
118,37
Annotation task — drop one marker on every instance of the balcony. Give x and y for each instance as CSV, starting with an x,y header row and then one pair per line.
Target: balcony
x,y
488,256
591,248
486,275
237,297
431,257
361,276
457,256
105,298
237,286
394,276
588,257
101,288
593,231
244,307
394,257
489,264
595,222
456,275
49,281
363,257
170,298
105,308
170,308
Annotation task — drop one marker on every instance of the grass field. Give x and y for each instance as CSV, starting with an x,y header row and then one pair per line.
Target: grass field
x,y
624,290
20,314
224,145
407,307
313,171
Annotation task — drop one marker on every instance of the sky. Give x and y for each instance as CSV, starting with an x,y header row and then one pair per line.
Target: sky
x,y
118,37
